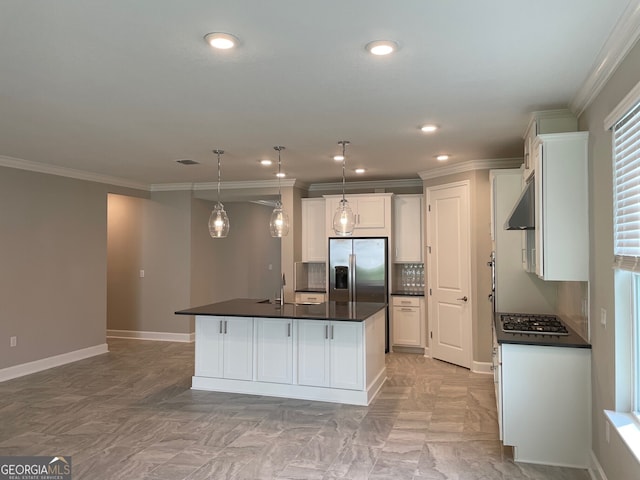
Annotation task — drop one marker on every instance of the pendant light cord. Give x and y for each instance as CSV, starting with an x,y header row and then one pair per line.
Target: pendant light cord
x,y
344,144
218,152
279,148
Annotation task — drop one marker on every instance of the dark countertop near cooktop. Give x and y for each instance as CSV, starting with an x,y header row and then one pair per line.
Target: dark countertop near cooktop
x,y
573,340
311,290
252,307
406,293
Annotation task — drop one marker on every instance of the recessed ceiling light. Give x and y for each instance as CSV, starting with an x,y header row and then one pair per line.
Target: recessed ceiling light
x,y
281,174
430,128
442,157
360,170
381,47
266,162
221,41
338,158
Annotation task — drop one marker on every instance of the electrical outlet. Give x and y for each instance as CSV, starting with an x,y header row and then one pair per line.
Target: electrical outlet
x,y
13,341
603,317
141,273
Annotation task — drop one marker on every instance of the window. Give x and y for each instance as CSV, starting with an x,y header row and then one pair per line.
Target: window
x,y
635,330
626,224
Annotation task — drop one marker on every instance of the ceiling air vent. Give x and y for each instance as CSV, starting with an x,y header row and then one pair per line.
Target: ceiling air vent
x,y
188,162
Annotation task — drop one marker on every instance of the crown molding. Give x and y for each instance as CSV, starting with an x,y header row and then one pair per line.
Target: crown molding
x,y
470,166
169,187
69,172
622,38
373,184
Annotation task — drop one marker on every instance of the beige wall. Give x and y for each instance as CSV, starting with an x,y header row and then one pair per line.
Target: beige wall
x,y
480,211
167,236
614,457
53,278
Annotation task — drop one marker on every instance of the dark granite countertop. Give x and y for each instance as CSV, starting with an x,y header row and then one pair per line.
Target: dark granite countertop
x,y
405,293
311,290
573,340
251,307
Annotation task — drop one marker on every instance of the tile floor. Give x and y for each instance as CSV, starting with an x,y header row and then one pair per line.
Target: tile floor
x,y
130,414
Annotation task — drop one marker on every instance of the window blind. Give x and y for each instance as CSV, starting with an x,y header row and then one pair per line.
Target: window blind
x,y
626,179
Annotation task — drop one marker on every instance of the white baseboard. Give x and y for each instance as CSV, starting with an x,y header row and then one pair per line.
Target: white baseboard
x,y
157,336
426,352
482,367
595,469
50,362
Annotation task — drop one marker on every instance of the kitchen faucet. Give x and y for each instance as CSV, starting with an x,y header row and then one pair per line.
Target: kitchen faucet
x,y
282,284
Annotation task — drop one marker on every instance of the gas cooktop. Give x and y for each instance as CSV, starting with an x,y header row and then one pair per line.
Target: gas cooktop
x,y
532,324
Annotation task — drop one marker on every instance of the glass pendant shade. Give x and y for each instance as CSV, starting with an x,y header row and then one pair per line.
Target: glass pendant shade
x,y
344,220
279,224
218,222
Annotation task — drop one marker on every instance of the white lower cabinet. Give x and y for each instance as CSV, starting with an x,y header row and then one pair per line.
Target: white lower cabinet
x,y
224,348
544,393
407,321
274,350
330,354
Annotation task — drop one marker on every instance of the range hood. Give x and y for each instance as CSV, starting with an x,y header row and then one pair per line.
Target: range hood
x,y
522,217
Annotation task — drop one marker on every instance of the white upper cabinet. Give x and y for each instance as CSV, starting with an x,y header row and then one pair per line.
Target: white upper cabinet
x,y
408,228
561,206
550,121
372,213
314,239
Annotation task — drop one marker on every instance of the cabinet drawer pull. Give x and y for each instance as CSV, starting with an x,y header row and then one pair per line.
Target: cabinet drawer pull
x,y
404,309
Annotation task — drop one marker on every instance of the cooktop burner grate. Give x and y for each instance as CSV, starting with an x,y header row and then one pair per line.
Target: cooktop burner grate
x,y
532,324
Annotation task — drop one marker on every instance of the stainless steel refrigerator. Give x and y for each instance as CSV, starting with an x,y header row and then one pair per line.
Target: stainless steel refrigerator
x,y
358,271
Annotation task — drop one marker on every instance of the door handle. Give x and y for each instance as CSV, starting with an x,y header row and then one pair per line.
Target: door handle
x,y
464,299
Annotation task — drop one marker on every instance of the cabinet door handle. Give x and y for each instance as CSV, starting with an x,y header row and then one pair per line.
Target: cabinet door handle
x,y
326,331
221,326
405,302
225,327
331,332
288,329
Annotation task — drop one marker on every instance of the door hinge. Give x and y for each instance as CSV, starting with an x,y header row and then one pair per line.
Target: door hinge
x,y
429,248
429,208
430,293
430,334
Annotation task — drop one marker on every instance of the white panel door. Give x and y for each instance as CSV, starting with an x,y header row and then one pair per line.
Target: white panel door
x,y
449,270
274,350
238,348
313,352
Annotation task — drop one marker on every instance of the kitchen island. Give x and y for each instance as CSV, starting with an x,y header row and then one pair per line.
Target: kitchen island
x,y
331,351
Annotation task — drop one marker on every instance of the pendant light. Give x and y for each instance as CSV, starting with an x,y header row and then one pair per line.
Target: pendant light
x,y
218,220
279,224
343,220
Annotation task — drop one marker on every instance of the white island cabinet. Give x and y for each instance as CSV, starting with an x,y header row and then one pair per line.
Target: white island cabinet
x,y
225,349
330,354
274,350
327,352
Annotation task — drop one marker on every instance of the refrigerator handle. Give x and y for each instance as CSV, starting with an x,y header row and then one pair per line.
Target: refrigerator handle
x,y
352,278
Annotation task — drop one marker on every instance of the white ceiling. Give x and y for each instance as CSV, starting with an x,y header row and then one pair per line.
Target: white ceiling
x,y
125,88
